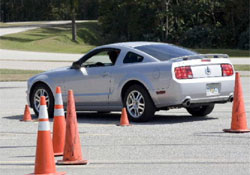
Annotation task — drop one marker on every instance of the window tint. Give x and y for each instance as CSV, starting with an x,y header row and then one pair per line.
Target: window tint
x,y
132,58
165,52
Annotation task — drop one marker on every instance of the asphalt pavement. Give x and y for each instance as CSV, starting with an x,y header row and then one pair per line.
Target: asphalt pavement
x,y
172,143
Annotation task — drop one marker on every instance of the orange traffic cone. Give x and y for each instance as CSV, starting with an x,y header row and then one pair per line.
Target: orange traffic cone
x,y
124,118
59,127
27,117
239,119
72,154
45,162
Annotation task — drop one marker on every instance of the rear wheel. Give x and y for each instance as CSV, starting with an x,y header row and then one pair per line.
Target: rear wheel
x,y
37,92
139,104
201,111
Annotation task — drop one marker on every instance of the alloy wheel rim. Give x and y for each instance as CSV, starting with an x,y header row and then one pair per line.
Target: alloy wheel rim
x,y
38,94
135,104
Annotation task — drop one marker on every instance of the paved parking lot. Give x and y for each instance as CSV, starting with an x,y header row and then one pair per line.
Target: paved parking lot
x,y
173,143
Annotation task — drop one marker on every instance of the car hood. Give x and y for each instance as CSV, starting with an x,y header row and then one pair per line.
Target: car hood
x,y
50,72
57,70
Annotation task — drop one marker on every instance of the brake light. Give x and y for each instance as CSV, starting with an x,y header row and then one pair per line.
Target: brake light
x,y
183,72
205,60
227,69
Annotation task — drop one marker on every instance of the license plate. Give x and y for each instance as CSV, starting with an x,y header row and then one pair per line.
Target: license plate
x,y
213,89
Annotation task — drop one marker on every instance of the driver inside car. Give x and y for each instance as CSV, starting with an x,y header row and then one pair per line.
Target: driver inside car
x,y
113,56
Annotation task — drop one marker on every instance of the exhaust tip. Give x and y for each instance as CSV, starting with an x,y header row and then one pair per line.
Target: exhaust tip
x,y
231,99
186,103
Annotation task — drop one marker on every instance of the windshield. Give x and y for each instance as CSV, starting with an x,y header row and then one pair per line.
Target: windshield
x,y
165,52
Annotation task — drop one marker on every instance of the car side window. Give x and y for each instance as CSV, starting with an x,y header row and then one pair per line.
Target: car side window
x,y
132,58
102,58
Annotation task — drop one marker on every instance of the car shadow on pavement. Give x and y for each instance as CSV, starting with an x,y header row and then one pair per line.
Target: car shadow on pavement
x,y
114,118
174,119
98,118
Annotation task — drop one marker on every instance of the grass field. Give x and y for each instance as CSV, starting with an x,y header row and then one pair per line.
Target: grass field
x,y
238,67
17,75
230,52
57,38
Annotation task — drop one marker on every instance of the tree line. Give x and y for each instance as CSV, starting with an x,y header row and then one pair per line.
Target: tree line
x,y
45,10
191,23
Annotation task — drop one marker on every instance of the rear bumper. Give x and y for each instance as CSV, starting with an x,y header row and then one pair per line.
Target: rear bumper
x,y
195,90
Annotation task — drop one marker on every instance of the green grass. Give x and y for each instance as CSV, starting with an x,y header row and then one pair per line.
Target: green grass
x,y
18,71
16,74
230,52
239,67
56,38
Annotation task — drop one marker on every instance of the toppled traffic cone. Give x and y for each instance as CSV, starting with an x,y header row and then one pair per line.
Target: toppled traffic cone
x,y
124,118
59,126
27,116
72,154
45,162
239,119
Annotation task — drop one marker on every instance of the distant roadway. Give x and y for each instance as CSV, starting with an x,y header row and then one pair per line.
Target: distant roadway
x,y
27,60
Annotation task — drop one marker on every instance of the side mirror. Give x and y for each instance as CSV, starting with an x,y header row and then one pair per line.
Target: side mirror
x,y
76,65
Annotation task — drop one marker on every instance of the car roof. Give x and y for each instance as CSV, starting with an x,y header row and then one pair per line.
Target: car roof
x,y
132,44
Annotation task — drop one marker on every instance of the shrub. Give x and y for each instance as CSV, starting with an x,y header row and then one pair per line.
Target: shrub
x,y
197,37
244,40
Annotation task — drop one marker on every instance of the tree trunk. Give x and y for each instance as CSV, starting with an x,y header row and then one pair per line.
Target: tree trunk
x,y
73,27
167,19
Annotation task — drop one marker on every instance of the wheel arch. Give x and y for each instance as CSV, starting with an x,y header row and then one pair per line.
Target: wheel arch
x,y
33,87
130,83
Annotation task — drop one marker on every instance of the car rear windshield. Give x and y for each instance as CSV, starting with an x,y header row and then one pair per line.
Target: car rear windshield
x,y
165,52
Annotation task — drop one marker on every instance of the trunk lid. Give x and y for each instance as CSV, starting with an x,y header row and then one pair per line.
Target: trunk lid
x,y
202,66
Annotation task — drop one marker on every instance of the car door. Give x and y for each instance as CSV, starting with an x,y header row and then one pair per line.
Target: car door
x,y
92,81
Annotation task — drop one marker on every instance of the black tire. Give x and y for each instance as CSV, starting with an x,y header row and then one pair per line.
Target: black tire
x,y
201,111
50,98
149,107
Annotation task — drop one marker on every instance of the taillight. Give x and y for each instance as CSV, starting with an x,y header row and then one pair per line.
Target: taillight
x,y
227,69
205,60
183,72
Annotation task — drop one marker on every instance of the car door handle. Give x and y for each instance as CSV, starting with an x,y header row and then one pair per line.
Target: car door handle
x,y
105,74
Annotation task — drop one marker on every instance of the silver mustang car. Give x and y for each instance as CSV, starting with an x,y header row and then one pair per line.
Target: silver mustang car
x,y
143,77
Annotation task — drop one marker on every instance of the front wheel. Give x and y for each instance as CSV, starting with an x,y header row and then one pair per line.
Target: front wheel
x,y
139,104
201,111
38,91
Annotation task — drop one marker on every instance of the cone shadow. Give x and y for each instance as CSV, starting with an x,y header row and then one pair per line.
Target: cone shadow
x,y
220,134
19,117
